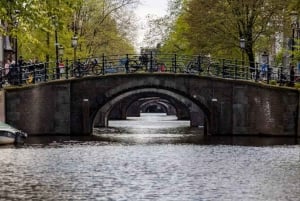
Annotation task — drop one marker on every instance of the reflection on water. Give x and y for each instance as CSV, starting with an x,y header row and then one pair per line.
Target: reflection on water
x,y
160,128
155,128
159,159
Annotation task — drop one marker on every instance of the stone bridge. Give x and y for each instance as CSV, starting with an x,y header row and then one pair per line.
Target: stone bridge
x,y
222,106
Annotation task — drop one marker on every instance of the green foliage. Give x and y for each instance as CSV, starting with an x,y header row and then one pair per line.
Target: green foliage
x,y
215,27
273,82
278,58
39,20
104,31
297,85
296,52
175,42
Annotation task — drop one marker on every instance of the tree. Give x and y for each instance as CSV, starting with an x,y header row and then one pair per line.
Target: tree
x,y
104,26
295,50
215,27
34,24
165,30
222,25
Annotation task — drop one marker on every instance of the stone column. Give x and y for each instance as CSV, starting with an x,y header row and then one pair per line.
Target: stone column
x,y
85,117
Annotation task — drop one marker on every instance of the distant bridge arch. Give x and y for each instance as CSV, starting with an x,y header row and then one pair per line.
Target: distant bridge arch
x,y
164,104
195,109
133,106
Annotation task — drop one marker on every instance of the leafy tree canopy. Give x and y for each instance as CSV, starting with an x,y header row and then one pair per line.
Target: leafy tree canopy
x,y
98,24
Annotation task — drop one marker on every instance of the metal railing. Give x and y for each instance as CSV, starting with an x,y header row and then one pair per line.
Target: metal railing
x,y
146,63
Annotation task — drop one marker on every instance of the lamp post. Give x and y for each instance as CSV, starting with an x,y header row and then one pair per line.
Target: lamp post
x,y
61,64
55,21
295,32
56,54
74,43
61,51
242,46
17,67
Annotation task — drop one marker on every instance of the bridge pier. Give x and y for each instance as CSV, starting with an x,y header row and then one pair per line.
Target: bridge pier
x,y
197,119
100,120
86,128
118,112
133,110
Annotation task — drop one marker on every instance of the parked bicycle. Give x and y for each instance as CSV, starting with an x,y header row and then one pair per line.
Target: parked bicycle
x,y
89,67
138,63
32,73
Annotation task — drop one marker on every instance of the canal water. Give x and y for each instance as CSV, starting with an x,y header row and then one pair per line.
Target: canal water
x,y
153,157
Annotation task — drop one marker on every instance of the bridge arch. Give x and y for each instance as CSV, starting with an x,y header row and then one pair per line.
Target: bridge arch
x,y
132,106
195,108
164,105
182,111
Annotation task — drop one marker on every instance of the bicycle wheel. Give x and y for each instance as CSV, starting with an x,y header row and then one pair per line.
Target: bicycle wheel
x,y
134,66
76,71
29,79
97,70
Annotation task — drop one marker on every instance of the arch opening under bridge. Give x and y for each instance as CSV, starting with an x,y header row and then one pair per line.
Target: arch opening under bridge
x,y
198,113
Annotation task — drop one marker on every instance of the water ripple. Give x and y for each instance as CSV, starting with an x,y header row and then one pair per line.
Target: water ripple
x,y
150,172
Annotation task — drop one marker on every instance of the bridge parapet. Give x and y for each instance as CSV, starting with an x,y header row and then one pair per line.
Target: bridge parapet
x,y
30,73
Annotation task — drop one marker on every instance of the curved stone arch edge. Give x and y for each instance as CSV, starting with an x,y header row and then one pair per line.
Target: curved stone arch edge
x,y
194,105
154,102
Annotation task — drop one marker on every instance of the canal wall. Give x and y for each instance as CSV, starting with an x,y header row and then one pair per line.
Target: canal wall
x,y
39,109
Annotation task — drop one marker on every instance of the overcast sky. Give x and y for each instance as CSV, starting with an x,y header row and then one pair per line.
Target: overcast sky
x,y
153,7
149,7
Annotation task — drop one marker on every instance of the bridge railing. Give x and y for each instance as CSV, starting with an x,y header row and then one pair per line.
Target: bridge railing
x,y
142,63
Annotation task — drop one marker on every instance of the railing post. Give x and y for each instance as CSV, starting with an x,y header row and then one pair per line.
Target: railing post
x,y
78,66
247,70
127,64
151,62
52,72
292,76
208,66
1,77
103,64
199,64
223,68
281,75
19,67
235,69
67,68
268,73
34,73
175,63
256,72
46,71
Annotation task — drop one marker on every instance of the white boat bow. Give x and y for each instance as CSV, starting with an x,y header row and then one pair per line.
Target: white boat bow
x,y
10,135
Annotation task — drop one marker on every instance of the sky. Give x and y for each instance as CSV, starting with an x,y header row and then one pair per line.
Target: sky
x,y
148,7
